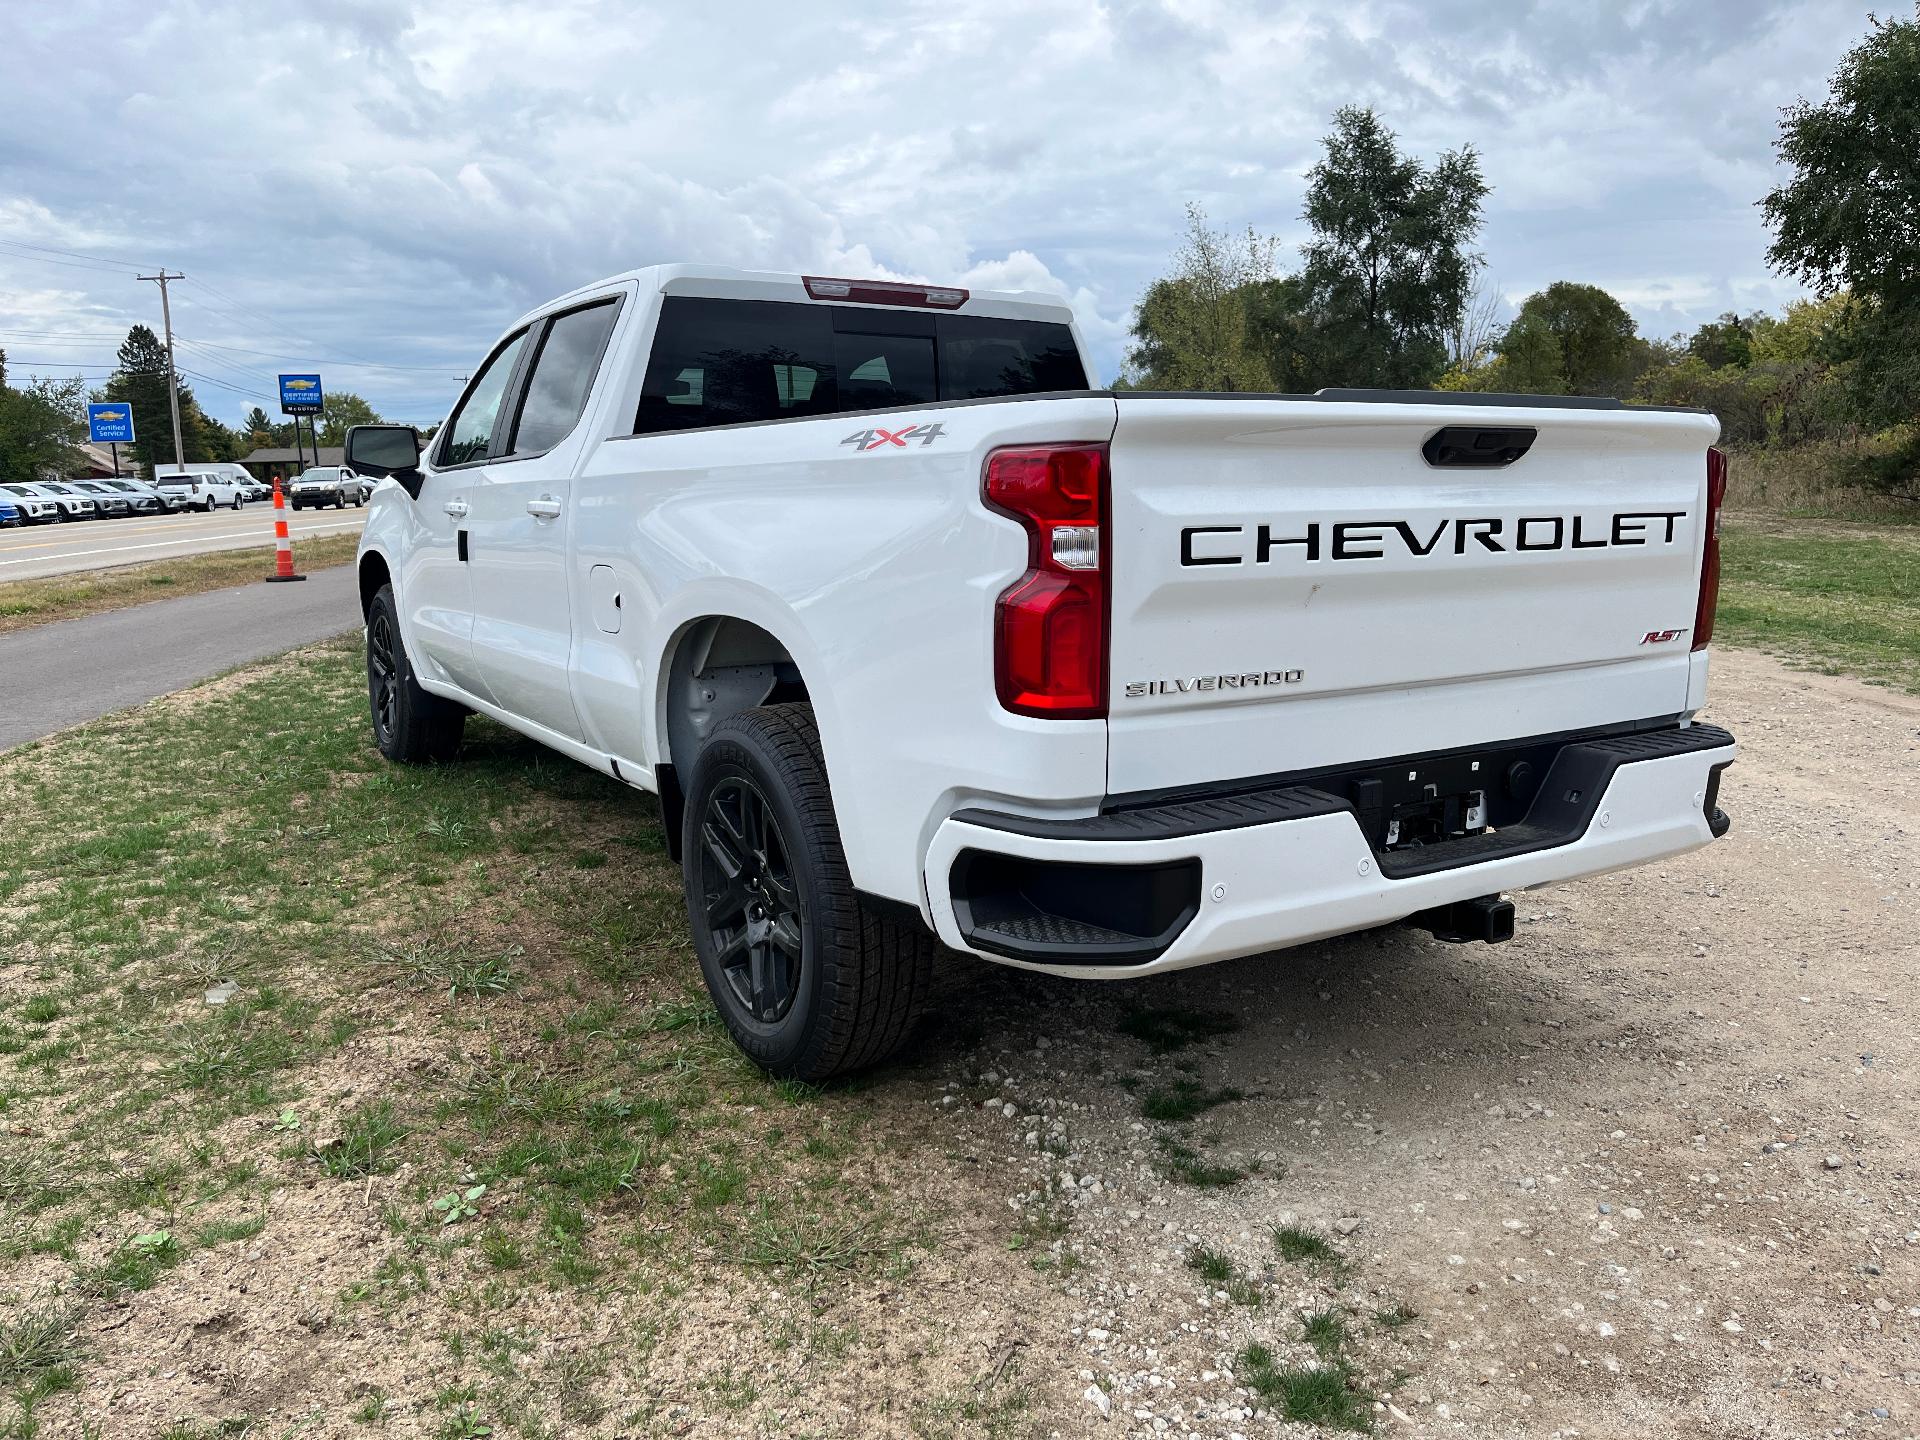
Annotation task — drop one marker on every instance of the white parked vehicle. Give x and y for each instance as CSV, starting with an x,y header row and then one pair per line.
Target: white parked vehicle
x,y
198,490
35,507
232,470
919,638
74,504
323,485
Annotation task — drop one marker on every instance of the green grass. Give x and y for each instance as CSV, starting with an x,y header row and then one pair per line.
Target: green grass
x,y
25,603
1181,1162
1325,1331
1300,1246
1325,1395
1183,1099
1214,1266
535,1025
1836,600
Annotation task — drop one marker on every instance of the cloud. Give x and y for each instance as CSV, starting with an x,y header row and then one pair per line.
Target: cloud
x,y
371,182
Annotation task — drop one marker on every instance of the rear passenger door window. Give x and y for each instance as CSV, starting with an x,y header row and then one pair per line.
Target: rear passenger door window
x,y
468,438
569,357
719,362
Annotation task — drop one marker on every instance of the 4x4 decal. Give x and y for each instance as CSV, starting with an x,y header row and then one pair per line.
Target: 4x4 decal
x,y
864,440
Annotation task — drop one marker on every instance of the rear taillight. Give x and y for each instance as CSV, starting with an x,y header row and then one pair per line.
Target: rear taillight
x,y
1710,550
1050,626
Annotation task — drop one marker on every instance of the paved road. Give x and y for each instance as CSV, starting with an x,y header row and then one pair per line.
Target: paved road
x,y
62,674
94,545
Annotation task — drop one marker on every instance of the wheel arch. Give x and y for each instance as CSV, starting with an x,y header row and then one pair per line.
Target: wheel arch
x,y
374,572
714,666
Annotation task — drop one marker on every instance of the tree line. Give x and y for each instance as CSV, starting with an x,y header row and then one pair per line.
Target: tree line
x,y
43,422
1390,293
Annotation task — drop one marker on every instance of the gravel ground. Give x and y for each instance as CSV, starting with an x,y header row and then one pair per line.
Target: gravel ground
x,y
1645,1171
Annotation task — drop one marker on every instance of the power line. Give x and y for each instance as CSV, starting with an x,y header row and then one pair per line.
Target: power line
x,y
72,254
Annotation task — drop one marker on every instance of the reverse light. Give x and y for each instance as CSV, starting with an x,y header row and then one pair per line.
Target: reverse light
x,y
1050,625
884,292
1710,550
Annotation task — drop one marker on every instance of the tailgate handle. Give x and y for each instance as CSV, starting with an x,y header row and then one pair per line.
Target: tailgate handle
x,y
1477,447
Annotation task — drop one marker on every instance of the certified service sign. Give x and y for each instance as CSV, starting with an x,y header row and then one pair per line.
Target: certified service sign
x,y
300,395
110,424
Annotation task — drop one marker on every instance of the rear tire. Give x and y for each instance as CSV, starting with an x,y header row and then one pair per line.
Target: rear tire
x,y
410,726
810,981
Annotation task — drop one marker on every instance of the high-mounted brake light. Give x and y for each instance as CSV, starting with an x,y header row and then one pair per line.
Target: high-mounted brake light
x,y
1050,625
1710,550
885,292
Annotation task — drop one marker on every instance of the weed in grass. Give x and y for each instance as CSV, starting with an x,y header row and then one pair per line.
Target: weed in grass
x,y
367,1137
1325,1331
589,859
40,1010
132,1266
1394,1316
463,1424
373,1409
501,1250
994,1407
1184,1100
1326,1395
1301,1246
458,1205
432,965
225,1232
1170,1028
1244,1292
1213,1266
1181,1162
34,1342
788,1239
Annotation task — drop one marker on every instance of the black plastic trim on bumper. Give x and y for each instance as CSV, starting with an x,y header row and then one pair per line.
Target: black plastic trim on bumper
x,y
1562,806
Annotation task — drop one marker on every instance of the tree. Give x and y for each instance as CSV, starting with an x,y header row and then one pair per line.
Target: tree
x,y
1191,329
1726,341
1388,272
1849,219
340,412
41,427
1568,339
141,381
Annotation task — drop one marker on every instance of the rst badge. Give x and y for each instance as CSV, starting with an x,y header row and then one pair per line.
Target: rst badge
x,y
877,439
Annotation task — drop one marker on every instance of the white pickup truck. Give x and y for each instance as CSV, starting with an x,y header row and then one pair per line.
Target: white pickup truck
x,y
922,642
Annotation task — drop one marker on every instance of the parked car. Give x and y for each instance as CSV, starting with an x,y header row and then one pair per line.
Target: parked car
x,y
200,489
35,508
144,499
252,489
73,504
10,513
107,502
923,641
324,485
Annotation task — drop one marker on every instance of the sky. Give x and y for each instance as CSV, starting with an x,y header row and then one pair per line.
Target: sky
x,y
375,190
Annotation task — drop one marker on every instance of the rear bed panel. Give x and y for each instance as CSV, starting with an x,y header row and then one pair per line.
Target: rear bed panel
x,y
1294,585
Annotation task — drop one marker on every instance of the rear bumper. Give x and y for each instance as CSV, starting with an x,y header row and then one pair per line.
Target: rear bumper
x,y
1211,878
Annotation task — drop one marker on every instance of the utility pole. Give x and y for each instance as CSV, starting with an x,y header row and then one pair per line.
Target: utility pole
x,y
173,385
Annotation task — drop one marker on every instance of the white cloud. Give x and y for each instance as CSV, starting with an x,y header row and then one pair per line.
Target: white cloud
x,y
396,183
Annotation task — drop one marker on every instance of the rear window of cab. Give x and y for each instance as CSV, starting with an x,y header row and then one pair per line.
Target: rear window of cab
x,y
727,362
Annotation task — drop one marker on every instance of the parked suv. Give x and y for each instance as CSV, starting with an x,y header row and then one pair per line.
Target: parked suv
x,y
74,504
142,497
922,641
107,501
35,508
200,490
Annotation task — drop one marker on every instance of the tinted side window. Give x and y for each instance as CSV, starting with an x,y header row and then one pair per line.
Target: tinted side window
x,y
982,357
470,430
721,362
563,373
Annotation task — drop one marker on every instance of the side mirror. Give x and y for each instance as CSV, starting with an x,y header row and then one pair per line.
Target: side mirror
x,y
386,450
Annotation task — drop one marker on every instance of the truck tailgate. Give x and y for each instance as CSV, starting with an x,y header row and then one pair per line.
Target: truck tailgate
x,y
1311,582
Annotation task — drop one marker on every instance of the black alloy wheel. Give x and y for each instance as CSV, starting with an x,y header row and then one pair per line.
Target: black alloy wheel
x,y
752,901
382,679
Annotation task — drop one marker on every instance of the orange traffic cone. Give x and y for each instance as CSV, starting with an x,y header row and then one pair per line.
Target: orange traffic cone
x,y
282,542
